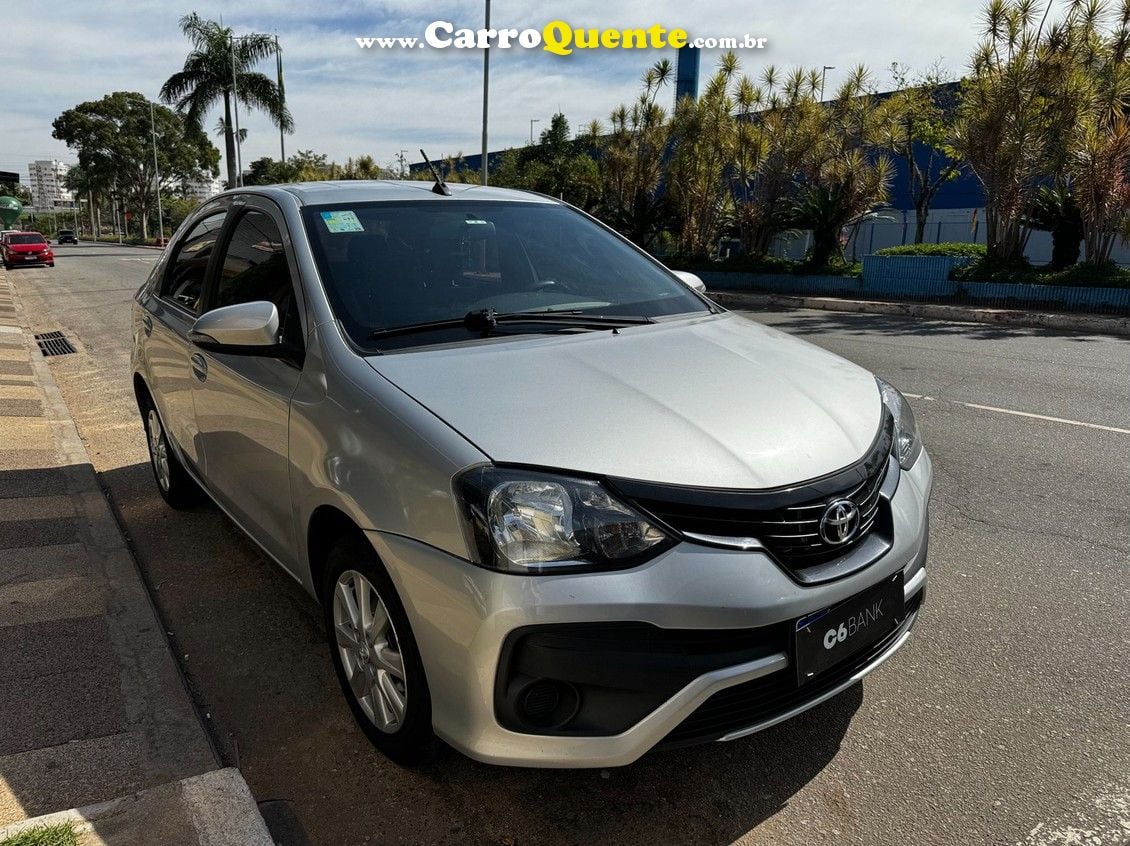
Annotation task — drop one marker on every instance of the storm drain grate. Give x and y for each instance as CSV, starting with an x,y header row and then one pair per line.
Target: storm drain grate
x,y
54,343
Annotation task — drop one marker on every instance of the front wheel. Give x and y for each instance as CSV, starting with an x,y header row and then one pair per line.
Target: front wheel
x,y
174,484
375,654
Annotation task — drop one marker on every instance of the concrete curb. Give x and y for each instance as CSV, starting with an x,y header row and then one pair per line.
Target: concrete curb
x,y
213,809
1084,323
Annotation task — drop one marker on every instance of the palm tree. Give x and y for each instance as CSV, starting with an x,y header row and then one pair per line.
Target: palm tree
x,y
208,74
222,129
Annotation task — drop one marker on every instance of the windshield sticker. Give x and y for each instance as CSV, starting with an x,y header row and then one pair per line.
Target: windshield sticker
x,y
342,221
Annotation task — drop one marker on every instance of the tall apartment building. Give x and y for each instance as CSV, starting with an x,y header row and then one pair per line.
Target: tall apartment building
x,y
46,178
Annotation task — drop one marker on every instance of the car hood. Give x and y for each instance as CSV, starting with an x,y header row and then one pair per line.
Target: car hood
x,y
717,401
28,248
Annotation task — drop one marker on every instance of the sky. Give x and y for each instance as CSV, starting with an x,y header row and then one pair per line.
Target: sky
x,y
349,101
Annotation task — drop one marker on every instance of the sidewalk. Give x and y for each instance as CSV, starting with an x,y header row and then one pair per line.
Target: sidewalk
x,y
92,706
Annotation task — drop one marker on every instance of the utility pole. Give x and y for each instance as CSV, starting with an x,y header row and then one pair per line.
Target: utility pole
x,y
486,93
282,99
823,78
532,122
401,160
157,180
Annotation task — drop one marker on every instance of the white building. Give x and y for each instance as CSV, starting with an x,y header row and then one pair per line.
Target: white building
x,y
202,189
47,189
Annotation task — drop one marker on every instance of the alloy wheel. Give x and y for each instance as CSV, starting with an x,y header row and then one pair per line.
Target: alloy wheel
x,y
369,650
159,450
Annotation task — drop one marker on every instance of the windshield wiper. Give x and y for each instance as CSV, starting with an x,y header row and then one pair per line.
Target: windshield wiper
x,y
485,320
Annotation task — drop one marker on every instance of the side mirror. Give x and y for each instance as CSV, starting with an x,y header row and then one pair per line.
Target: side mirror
x,y
691,280
244,328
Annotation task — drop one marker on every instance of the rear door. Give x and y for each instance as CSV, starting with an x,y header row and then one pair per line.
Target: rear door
x,y
169,315
242,401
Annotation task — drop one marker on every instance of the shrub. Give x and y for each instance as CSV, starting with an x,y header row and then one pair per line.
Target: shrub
x,y
949,248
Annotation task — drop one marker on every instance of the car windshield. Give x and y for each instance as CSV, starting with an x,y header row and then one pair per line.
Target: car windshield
x,y
390,265
26,239
66,232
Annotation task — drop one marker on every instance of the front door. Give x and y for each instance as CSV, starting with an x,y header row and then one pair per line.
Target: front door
x,y
242,402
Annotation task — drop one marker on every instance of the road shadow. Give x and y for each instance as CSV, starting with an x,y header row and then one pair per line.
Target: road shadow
x,y
252,647
806,322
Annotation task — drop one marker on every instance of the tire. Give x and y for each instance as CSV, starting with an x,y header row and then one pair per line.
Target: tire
x,y
387,666
175,485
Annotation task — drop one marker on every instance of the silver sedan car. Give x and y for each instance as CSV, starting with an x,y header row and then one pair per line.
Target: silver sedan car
x,y
558,507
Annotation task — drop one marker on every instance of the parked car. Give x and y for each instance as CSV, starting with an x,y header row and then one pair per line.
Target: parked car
x,y
66,236
558,507
20,248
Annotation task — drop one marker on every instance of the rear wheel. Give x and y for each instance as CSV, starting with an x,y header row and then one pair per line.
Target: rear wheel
x,y
375,654
174,484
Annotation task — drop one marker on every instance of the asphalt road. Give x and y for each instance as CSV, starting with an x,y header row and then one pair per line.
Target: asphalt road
x,y
1004,719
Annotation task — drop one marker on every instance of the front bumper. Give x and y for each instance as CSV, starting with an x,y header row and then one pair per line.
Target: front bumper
x,y
462,616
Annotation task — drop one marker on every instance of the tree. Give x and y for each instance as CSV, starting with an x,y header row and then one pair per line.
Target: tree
x,y
631,163
1016,109
845,178
557,165
917,121
1053,209
207,78
704,135
115,145
776,133
18,190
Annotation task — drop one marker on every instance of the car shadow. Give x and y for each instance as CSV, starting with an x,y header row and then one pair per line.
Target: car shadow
x,y
252,647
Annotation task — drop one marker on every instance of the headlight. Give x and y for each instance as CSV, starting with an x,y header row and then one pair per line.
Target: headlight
x,y
521,521
907,445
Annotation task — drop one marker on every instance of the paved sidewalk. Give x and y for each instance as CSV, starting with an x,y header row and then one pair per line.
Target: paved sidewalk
x,y
92,706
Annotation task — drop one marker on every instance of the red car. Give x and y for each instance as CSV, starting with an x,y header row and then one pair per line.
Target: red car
x,y
26,248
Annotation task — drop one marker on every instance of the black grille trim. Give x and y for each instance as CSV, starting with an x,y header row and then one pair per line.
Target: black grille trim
x,y
784,520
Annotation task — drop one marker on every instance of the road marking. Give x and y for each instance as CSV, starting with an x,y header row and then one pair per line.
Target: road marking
x,y
146,258
1029,414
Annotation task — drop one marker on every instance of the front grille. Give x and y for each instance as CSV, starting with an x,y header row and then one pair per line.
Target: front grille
x,y
763,699
785,521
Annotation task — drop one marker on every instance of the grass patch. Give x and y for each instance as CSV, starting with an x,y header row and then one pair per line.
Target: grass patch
x,y
948,248
62,834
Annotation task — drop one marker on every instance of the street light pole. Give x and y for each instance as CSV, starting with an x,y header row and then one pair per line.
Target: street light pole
x,y
486,90
157,179
532,122
823,77
282,99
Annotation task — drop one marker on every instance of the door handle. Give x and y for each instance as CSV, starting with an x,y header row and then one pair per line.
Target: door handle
x,y
147,325
199,366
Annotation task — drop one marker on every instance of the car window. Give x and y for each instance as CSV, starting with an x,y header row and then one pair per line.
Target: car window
x,y
184,279
254,268
395,264
31,238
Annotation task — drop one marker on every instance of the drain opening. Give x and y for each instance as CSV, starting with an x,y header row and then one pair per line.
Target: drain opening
x,y
54,343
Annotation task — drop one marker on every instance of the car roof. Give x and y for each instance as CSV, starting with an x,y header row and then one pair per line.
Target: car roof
x,y
388,190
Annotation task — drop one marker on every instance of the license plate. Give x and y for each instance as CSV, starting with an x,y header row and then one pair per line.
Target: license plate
x,y
31,258
826,638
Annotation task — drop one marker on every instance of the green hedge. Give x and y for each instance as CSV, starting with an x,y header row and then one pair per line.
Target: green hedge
x,y
949,248
1021,271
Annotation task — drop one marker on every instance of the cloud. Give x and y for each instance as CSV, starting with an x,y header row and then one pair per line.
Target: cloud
x,y
348,101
